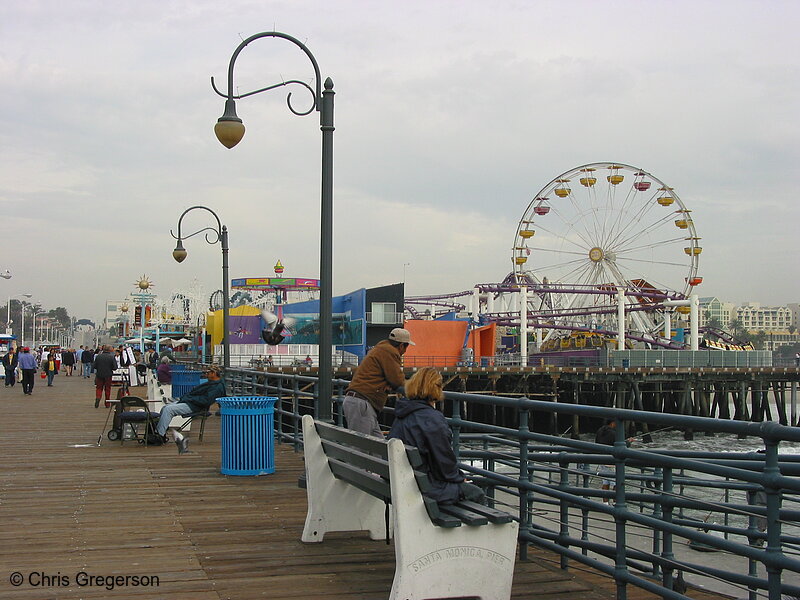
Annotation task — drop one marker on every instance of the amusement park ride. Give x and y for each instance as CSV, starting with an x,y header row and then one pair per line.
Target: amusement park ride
x,y
604,255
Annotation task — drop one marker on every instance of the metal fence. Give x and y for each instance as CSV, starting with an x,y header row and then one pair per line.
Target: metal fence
x,y
687,358
649,527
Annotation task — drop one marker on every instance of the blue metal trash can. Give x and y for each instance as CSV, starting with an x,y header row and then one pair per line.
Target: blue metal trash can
x,y
184,381
247,438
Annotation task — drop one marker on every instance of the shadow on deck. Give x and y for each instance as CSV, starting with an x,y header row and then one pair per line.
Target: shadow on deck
x,y
68,506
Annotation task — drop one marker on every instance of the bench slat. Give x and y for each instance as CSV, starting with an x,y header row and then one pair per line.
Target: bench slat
x,y
437,517
495,516
347,437
467,516
414,457
357,458
366,482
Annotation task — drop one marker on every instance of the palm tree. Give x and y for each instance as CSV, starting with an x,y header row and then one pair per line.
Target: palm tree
x,y
735,327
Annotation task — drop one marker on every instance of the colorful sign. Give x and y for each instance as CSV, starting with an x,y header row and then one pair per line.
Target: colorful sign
x,y
271,283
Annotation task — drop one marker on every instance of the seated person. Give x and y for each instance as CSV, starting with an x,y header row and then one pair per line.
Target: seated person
x,y
418,423
199,399
164,371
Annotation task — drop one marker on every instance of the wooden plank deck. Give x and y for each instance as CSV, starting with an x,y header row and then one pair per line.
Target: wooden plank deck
x,y
68,506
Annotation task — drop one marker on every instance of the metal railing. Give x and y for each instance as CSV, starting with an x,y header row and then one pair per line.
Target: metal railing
x,y
648,527
384,318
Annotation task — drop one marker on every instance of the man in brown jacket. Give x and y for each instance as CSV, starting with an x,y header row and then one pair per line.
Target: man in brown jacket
x,y
379,372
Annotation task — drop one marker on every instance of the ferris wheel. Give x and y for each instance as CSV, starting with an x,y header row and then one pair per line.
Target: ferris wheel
x,y
595,230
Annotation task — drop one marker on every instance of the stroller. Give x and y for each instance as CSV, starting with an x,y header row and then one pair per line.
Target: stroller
x,y
134,412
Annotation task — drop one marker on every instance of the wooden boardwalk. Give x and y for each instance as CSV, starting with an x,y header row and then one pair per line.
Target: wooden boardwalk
x,y
68,506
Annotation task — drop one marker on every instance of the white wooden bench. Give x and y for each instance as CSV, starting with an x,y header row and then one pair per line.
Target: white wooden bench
x,y
464,550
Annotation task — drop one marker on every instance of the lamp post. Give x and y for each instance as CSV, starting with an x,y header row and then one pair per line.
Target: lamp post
x,y
42,320
230,130
179,254
22,311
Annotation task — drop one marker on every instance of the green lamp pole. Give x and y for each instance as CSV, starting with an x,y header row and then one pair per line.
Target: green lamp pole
x,y
179,254
230,130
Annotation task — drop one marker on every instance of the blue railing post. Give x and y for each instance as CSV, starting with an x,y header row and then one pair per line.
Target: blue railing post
x,y
456,427
279,394
564,505
620,565
525,496
771,470
657,514
666,503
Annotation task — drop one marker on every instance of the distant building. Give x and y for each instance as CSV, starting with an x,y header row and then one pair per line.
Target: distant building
x,y
755,318
795,308
114,313
714,309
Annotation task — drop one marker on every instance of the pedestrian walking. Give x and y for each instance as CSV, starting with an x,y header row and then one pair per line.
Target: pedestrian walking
x,y
27,364
104,365
10,365
51,368
68,361
87,358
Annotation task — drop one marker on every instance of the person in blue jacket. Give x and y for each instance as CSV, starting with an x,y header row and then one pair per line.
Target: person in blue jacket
x,y
198,399
418,423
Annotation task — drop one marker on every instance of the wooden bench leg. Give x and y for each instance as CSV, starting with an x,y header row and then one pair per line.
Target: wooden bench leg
x,y
332,504
438,562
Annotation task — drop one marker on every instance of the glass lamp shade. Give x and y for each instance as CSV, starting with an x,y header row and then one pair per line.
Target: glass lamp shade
x,y
229,133
179,254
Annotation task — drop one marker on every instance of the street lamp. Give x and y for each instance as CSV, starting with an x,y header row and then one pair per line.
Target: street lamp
x,y
179,254
230,130
37,312
22,307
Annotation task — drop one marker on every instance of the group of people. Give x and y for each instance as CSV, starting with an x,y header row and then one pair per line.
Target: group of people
x,y
21,364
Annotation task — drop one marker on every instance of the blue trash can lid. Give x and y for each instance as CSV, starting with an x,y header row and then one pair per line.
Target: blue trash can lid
x,y
246,401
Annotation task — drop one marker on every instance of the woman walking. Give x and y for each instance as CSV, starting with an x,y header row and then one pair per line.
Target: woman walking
x,y
68,360
51,368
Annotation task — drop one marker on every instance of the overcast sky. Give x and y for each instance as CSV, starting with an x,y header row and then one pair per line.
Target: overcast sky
x,y
450,116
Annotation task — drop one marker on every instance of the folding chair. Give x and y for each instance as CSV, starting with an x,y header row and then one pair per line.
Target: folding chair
x,y
202,415
134,412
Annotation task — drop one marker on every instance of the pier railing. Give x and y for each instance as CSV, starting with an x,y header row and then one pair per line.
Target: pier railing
x,y
665,512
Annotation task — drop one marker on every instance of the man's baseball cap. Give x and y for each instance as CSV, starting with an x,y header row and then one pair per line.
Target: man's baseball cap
x,y
401,335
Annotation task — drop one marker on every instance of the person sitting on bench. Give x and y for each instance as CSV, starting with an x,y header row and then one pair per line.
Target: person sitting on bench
x,y
418,423
199,399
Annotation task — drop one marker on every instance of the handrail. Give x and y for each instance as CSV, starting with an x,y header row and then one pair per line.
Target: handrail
x,y
662,497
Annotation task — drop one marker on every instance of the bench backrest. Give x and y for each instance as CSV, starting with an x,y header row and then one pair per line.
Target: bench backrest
x,y
363,461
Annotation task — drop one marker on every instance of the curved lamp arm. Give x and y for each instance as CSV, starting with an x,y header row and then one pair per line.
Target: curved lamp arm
x,y
316,91
179,254
229,128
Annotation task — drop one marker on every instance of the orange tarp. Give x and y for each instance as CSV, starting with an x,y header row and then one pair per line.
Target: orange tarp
x,y
438,343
